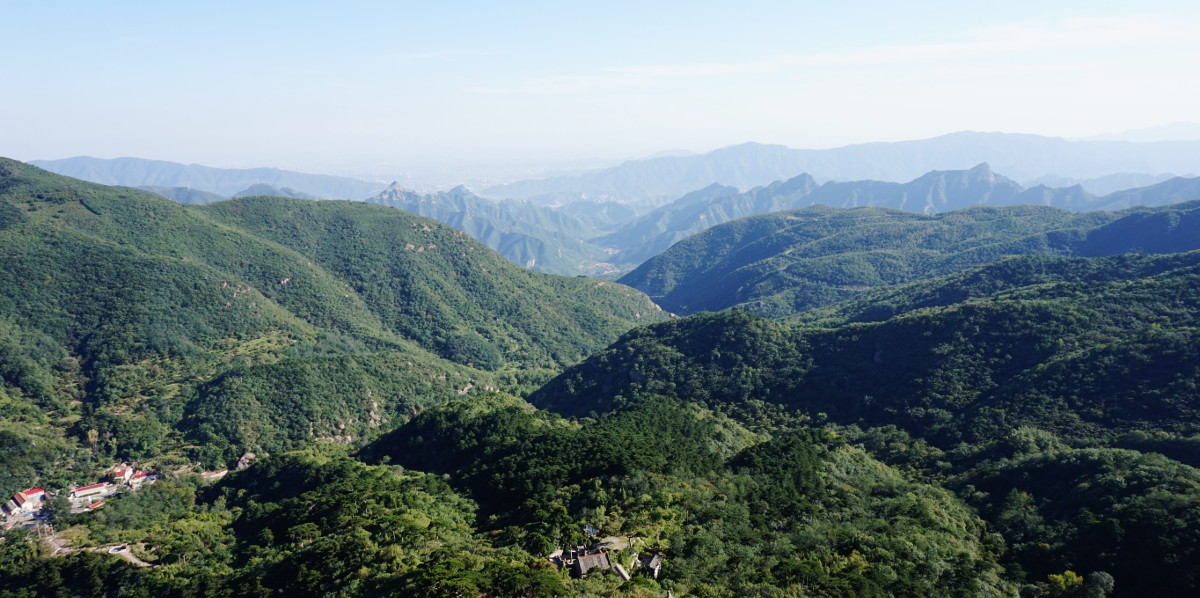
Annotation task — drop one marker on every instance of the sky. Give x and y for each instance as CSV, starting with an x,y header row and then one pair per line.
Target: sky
x,y
358,86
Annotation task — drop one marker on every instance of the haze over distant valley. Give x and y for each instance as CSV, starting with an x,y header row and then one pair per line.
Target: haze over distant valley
x,y
609,221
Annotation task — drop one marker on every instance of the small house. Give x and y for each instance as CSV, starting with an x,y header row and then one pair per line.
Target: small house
x,y
650,562
589,560
581,559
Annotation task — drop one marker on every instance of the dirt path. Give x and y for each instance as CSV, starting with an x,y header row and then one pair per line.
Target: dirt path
x,y
125,553
129,556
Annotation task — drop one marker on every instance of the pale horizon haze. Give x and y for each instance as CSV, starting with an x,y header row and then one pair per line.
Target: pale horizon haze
x,y
359,86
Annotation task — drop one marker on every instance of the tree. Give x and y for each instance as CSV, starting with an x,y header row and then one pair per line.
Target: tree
x,y
58,506
1098,584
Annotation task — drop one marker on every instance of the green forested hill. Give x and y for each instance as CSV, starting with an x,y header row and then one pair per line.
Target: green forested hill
x,y
1022,384
1028,276
438,286
131,325
787,262
803,514
314,523
1082,346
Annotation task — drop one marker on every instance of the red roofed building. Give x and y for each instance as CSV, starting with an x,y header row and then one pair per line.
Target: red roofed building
x,y
95,505
26,501
120,473
89,490
141,477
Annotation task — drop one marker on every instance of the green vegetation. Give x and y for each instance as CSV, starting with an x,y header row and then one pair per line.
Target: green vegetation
x,y
132,327
804,514
1108,348
784,263
1021,385
952,420
436,285
1135,516
300,524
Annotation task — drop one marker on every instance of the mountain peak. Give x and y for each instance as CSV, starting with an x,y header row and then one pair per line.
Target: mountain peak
x,y
983,172
394,192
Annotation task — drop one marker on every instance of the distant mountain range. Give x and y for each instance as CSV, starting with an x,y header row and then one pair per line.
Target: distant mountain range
x,y
601,236
1024,157
188,195
185,195
1168,132
137,172
934,192
595,239
1109,183
529,235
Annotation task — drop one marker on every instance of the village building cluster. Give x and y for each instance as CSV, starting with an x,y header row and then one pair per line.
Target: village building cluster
x,y
26,506
581,559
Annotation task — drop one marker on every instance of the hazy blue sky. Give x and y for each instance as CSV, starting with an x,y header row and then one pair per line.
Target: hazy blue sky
x,y
323,86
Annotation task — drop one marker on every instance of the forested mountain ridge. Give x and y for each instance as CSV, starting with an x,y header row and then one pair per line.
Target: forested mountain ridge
x,y
265,189
952,358
1008,276
133,325
1021,384
931,193
440,287
183,194
787,262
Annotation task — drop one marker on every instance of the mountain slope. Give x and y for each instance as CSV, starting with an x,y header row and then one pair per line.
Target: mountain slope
x,y
135,325
536,237
265,189
786,262
1080,346
654,232
440,287
1175,190
1014,384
